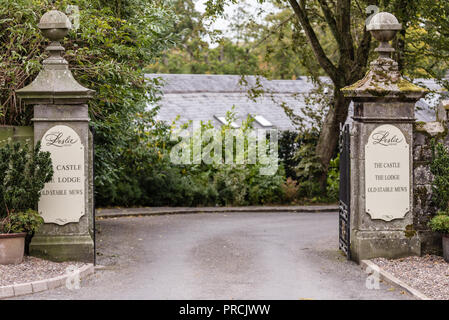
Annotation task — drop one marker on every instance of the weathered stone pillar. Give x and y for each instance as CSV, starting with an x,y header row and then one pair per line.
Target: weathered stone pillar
x,y
381,154
61,123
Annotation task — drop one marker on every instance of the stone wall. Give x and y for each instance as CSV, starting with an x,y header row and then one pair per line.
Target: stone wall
x,y
423,207
16,133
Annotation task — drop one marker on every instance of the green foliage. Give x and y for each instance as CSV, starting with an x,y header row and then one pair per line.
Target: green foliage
x,y
27,221
193,53
333,179
440,223
115,41
289,143
440,170
153,180
440,187
244,185
23,174
226,58
426,51
308,168
291,190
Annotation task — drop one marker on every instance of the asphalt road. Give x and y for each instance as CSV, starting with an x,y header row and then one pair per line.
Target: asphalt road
x,y
223,256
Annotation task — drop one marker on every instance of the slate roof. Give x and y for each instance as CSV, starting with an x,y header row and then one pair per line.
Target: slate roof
x,y
204,97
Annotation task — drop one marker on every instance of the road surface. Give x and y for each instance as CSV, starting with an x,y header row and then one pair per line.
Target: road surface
x,y
223,256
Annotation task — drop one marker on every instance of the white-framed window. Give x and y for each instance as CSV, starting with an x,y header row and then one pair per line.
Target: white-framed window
x,y
223,121
262,121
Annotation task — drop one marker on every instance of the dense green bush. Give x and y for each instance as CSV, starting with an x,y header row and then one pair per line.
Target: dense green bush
x,y
308,169
440,223
28,221
152,179
440,170
289,143
115,40
23,174
303,161
440,187
333,180
302,168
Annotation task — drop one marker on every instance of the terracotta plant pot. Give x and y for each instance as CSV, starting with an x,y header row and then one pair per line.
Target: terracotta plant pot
x,y
12,246
446,247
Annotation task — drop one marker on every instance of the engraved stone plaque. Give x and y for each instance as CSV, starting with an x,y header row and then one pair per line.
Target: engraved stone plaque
x,y
387,174
62,199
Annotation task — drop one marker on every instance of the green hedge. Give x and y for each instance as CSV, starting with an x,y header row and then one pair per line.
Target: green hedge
x,y
16,133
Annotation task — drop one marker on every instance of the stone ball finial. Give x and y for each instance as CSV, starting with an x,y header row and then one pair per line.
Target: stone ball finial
x,y
55,83
55,25
384,21
384,26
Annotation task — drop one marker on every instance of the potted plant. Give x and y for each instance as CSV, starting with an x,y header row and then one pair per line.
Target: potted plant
x,y
440,223
23,174
14,228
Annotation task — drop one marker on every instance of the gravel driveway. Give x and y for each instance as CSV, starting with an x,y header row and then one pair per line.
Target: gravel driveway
x,y
429,274
223,256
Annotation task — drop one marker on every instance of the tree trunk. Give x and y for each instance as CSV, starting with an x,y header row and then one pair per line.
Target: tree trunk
x,y
330,133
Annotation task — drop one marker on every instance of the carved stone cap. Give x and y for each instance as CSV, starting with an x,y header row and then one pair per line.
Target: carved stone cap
x,y
383,21
54,19
383,79
55,83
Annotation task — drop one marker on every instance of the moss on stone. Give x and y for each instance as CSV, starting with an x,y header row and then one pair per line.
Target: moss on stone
x,y
350,88
379,80
405,85
379,92
420,193
409,231
419,125
432,129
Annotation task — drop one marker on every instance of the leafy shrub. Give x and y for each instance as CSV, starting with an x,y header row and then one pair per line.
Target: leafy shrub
x,y
16,222
149,177
290,188
266,189
440,170
308,170
289,143
113,44
333,179
23,174
440,187
440,223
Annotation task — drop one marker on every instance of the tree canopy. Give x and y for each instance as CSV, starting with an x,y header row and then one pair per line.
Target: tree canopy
x,y
115,41
330,37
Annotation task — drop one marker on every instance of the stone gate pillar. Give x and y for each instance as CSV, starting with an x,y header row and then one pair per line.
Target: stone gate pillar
x,y
61,123
381,154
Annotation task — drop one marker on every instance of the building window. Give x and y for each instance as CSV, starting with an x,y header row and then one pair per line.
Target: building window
x,y
262,121
223,121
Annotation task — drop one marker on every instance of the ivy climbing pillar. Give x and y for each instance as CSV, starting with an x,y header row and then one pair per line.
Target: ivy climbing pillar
x,y
61,123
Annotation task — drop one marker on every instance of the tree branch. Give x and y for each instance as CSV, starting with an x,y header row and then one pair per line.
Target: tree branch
x,y
271,32
344,26
321,56
361,57
328,15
